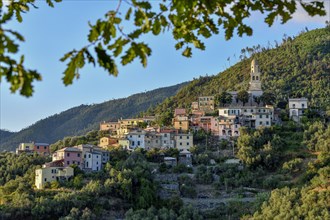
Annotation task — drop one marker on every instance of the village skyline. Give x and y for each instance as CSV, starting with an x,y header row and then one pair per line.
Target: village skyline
x,y
165,67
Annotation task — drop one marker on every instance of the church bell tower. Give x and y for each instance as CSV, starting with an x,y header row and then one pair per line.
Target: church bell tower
x,y
255,82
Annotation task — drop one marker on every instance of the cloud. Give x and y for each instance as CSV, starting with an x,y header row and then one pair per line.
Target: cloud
x,y
301,16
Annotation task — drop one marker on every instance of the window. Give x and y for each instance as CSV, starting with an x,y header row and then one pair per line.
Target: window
x,y
45,147
267,122
180,143
260,123
78,155
264,110
138,143
45,179
293,105
187,143
139,136
78,163
37,147
68,162
225,111
267,116
180,137
133,143
251,110
260,116
165,135
253,78
68,154
156,141
97,156
85,156
302,105
245,110
89,156
187,137
257,78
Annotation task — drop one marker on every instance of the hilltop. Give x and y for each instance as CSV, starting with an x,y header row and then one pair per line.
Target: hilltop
x,y
297,67
81,119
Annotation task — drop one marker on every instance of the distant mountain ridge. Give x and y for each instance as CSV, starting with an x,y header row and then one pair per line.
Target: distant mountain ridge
x,y
81,119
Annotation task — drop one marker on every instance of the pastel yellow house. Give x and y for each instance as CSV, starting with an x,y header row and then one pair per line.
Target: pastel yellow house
x,y
107,141
49,174
25,148
124,143
109,126
183,141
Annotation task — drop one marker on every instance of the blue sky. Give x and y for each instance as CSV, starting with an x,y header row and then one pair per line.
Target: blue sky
x,y
51,32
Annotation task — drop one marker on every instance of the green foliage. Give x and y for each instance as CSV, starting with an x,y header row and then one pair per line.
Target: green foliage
x,y
12,166
317,136
292,165
187,212
204,175
268,98
243,96
260,147
294,203
187,187
223,99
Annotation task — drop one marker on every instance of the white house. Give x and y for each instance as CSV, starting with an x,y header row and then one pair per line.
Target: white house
x,y
93,161
297,108
136,139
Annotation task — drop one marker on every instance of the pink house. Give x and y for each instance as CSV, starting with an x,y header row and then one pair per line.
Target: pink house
x,y
69,155
205,123
215,126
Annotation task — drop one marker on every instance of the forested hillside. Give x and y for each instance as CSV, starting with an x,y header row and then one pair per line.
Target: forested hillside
x,y
84,118
298,66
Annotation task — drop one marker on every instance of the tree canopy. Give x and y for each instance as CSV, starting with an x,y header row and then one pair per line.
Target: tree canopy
x,y
189,21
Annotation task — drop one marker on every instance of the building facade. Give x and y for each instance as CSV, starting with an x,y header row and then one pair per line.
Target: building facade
x,y
25,148
297,108
41,149
206,103
46,175
183,141
69,156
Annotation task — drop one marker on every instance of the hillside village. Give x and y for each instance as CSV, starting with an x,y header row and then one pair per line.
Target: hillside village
x,y
236,109
206,153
